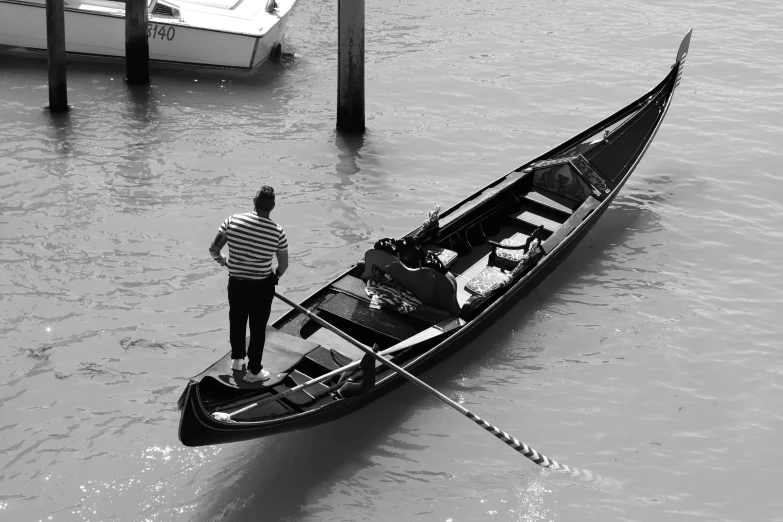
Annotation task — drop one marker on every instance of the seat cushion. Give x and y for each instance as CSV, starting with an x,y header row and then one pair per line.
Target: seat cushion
x,y
446,256
487,281
508,259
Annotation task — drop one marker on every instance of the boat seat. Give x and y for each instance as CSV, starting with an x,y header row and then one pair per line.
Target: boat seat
x,y
497,269
550,200
529,218
430,286
510,252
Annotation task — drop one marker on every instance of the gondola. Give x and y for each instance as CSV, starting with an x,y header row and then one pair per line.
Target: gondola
x,y
418,298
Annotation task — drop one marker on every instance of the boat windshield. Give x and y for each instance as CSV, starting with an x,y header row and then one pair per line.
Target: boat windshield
x,y
149,2
220,4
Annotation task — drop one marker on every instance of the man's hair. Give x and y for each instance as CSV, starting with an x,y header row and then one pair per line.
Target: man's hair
x,y
265,198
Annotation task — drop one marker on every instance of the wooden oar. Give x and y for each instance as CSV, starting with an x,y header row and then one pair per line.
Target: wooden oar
x,y
521,447
402,345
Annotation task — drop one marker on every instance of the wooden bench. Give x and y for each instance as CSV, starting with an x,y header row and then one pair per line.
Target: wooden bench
x,y
551,200
529,218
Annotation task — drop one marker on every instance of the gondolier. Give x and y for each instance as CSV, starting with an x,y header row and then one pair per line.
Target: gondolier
x,y
253,239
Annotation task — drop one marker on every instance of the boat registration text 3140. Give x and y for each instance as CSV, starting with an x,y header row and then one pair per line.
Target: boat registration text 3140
x,y
160,32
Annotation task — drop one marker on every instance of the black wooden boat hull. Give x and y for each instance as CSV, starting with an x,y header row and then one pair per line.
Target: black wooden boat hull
x,y
198,428
632,130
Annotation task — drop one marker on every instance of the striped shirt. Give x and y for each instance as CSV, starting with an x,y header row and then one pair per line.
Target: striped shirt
x,y
252,242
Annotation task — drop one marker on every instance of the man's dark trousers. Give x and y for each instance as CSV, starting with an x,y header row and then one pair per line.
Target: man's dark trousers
x,y
249,299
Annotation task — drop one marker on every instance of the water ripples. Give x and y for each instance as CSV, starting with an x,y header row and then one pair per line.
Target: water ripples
x,y
650,356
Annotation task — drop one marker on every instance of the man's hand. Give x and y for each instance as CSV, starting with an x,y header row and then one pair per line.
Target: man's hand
x,y
216,246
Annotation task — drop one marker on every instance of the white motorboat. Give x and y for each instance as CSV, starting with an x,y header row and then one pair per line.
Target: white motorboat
x,y
238,34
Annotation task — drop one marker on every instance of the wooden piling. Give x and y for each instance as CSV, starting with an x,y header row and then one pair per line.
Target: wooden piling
x,y
137,47
55,43
350,66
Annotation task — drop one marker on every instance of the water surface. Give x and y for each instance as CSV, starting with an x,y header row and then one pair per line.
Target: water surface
x,y
651,358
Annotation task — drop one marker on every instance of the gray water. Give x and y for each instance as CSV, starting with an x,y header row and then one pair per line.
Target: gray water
x,y
650,358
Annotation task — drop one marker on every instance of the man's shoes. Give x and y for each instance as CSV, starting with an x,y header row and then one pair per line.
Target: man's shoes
x,y
261,376
237,364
